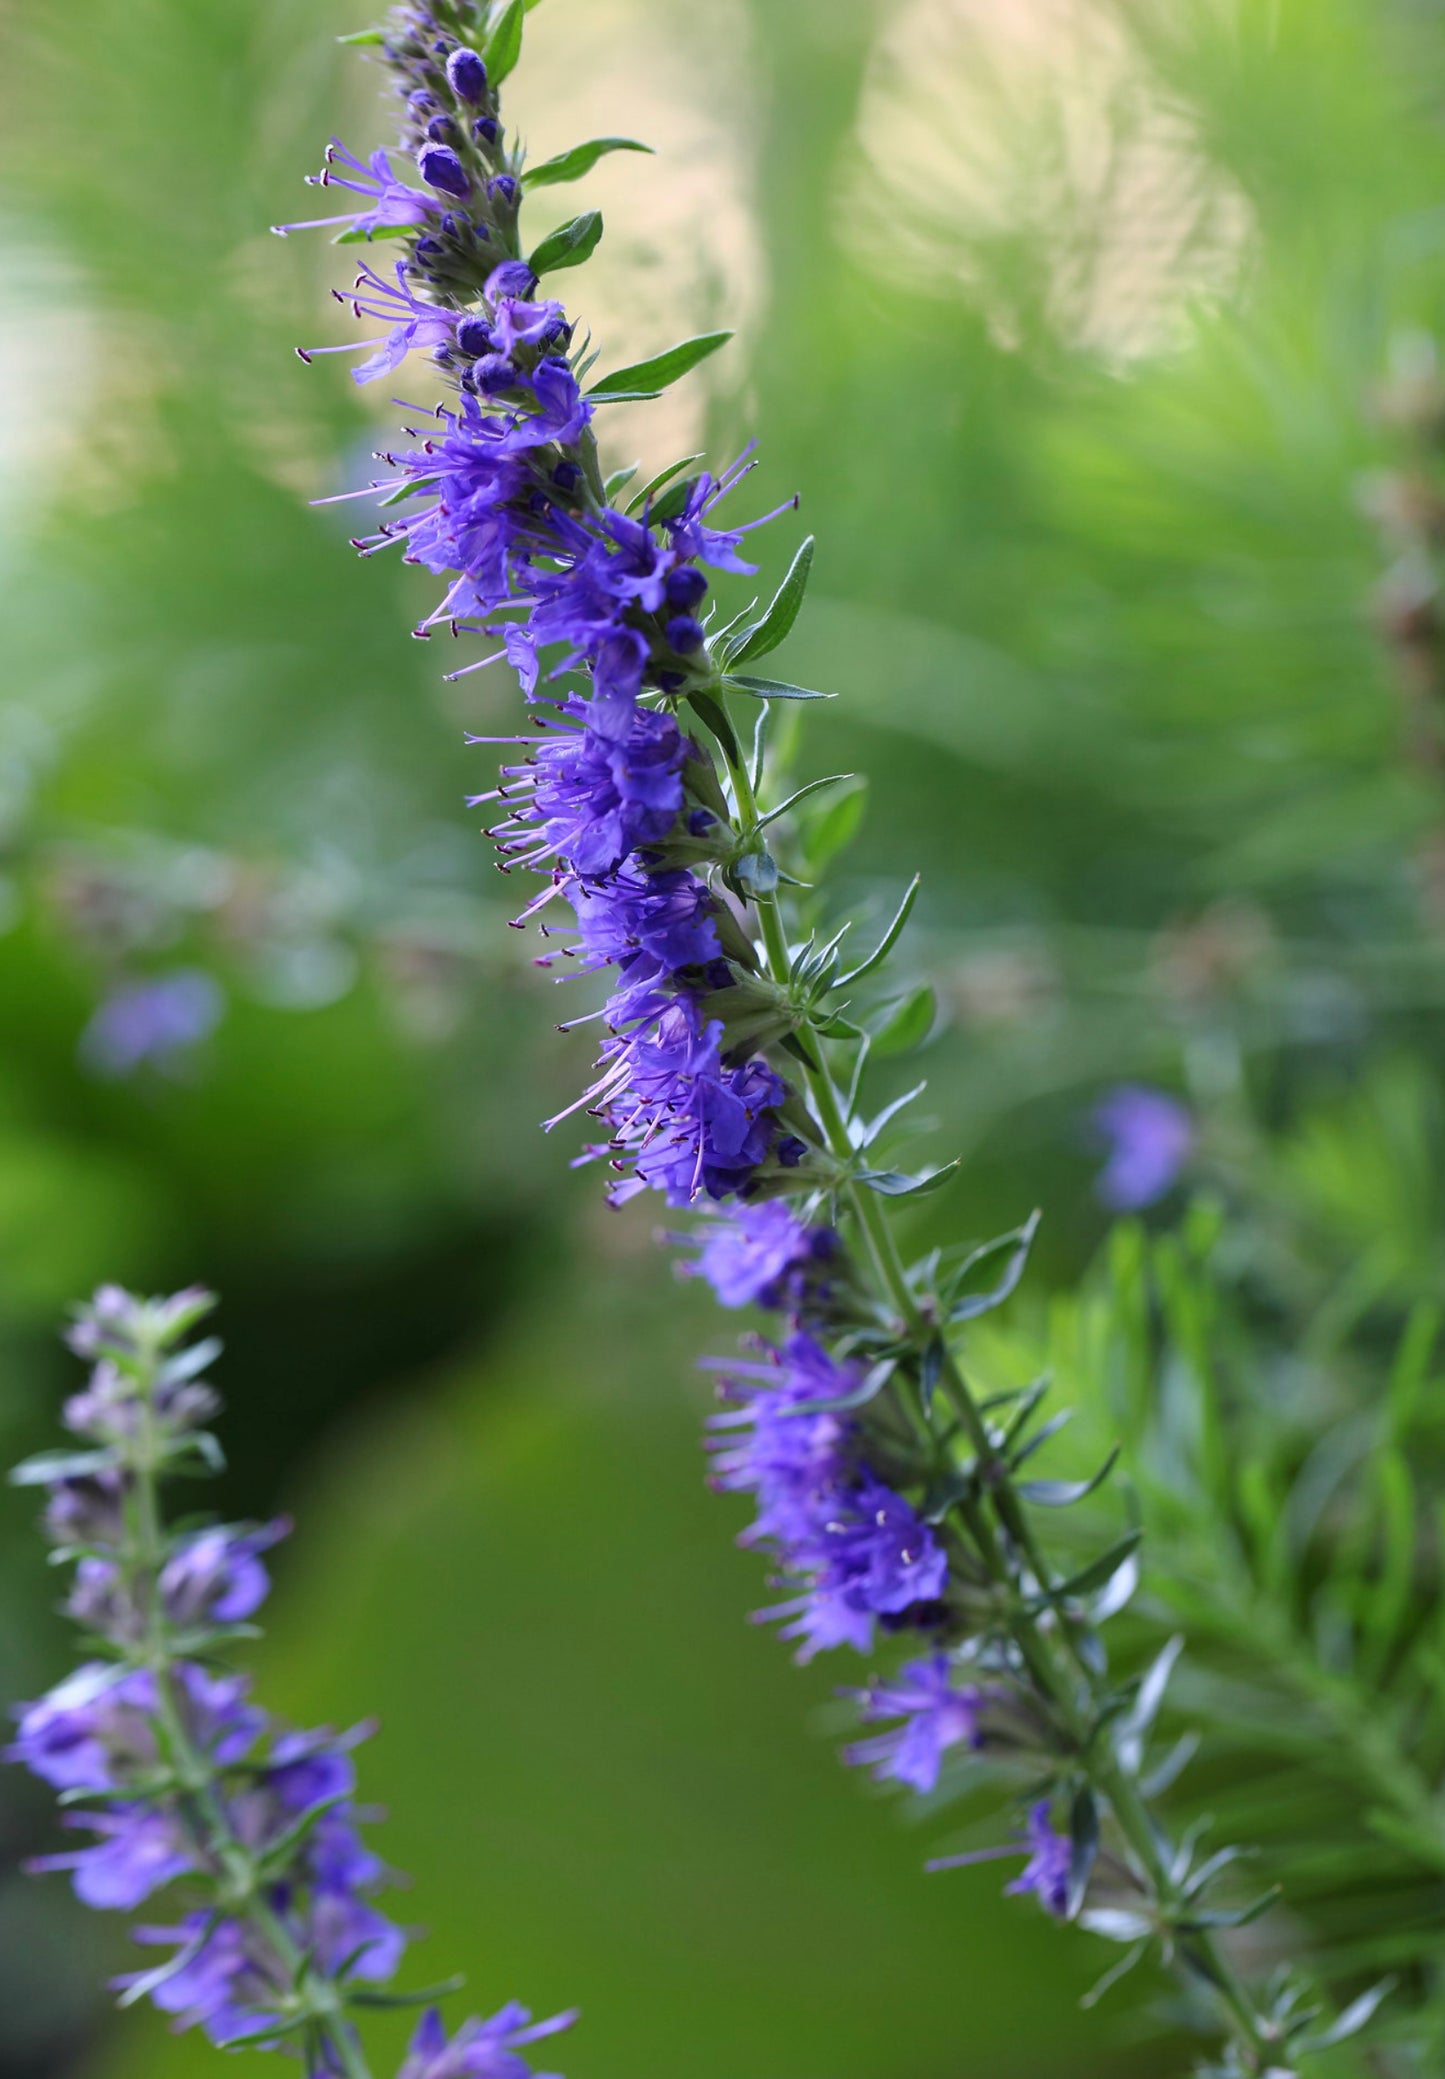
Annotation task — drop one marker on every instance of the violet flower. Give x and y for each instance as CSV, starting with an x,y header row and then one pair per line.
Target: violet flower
x,y
1150,1137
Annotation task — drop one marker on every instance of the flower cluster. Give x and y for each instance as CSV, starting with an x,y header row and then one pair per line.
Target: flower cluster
x,y
177,1777
857,1551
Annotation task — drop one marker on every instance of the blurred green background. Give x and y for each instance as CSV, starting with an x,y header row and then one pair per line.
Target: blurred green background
x,y
1096,335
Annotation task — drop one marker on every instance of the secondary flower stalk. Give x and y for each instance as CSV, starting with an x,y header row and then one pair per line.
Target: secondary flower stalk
x,y
185,1785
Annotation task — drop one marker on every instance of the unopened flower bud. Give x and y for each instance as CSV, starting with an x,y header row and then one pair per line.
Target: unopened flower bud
x,y
494,374
440,167
467,74
686,635
685,586
474,337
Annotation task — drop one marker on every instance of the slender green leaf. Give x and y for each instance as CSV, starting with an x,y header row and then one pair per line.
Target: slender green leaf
x,y
1100,1572
1356,2017
60,1465
363,36
1019,1241
771,689
569,245
579,161
650,378
889,939
893,1183
1083,1846
504,45
663,477
813,787
369,1996
1062,1494
777,623
869,1389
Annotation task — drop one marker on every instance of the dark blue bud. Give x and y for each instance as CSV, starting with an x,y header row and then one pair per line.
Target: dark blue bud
x,y
467,74
487,130
791,1151
441,355
566,476
420,100
685,586
700,822
504,190
670,681
716,975
441,47
558,333
686,635
428,249
474,337
441,130
440,167
494,373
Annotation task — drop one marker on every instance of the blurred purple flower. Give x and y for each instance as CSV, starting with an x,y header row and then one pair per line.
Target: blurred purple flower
x,y
154,1023
1150,1137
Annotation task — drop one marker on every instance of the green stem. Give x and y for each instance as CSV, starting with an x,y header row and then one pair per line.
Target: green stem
x,y
203,1810
1058,1678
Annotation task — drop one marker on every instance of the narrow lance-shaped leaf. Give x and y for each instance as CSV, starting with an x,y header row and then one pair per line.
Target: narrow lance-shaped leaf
x,y
1356,2016
893,1183
504,45
663,477
1019,1241
1100,1572
60,1465
771,689
889,939
569,245
777,623
1083,1846
579,161
643,379
1062,1494
369,1996
813,787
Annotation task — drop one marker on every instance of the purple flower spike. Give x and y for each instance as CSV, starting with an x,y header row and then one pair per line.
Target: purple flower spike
x,y
1150,1137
